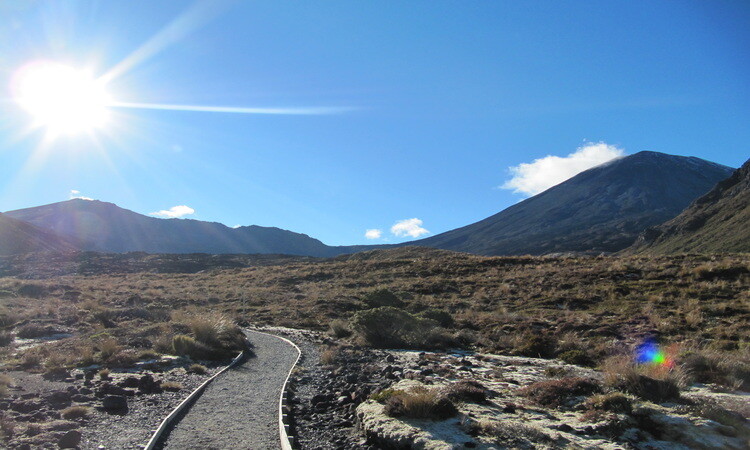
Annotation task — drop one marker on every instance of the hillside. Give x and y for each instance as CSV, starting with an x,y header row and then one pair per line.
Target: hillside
x,y
600,210
105,227
716,222
19,237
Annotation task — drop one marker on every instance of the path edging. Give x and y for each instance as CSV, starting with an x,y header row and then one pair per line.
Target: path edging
x,y
287,440
167,422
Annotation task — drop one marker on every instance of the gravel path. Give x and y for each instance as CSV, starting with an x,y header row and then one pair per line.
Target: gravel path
x,y
239,409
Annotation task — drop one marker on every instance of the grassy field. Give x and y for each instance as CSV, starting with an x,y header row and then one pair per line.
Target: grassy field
x,y
585,309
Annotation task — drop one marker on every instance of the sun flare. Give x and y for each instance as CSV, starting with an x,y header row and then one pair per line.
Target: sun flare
x,y
61,98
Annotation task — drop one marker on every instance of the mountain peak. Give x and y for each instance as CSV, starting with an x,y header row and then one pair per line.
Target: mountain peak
x,y
602,209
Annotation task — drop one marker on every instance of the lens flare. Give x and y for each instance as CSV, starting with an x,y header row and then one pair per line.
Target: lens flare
x,y
649,352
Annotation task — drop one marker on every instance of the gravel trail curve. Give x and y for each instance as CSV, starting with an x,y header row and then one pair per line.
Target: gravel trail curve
x,y
240,408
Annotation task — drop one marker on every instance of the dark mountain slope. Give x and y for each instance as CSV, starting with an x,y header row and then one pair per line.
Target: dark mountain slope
x,y
601,209
19,237
105,227
717,222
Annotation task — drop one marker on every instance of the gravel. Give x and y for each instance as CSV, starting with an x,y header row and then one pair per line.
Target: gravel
x,y
239,409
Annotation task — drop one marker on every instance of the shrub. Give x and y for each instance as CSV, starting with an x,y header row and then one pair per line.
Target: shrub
x,y
576,357
329,355
199,369
466,391
6,337
171,386
5,382
535,346
389,327
340,329
614,402
33,330
7,318
648,382
108,347
706,366
104,374
382,297
555,393
75,412
385,394
443,318
519,434
420,403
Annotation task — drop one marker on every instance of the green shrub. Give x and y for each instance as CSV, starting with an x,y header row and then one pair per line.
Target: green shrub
x,y
389,327
385,394
382,297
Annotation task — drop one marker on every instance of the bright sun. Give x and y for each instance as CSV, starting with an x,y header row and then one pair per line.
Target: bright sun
x,y
61,98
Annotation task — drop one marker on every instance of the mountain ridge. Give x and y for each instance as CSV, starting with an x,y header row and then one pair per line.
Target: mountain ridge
x,y
715,222
602,209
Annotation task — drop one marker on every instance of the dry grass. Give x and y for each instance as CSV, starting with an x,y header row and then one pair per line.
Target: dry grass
x,y
648,381
555,393
541,306
329,355
420,403
76,412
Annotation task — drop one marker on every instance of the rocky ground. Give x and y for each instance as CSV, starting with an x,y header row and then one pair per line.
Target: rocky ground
x,y
702,416
85,410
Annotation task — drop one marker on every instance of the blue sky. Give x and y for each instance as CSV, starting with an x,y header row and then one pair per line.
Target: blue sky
x,y
413,110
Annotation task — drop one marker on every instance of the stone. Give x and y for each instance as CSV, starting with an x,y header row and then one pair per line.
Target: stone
x,y
71,439
115,403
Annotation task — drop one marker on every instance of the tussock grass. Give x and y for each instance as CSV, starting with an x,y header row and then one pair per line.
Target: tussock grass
x,y
75,412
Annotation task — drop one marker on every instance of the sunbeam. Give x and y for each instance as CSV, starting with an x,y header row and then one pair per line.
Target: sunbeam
x,y
313,110
197,15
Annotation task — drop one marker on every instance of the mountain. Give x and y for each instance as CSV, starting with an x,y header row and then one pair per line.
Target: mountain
x,y
602,209
105,227
20,237
717,222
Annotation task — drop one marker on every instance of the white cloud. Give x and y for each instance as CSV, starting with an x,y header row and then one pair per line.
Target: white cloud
x,y
408,227
373,233
543,173
174,212
77,194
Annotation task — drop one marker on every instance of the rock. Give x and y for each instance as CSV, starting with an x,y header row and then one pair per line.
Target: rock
x,y
129,382
390,359
71,439
25,407
115,403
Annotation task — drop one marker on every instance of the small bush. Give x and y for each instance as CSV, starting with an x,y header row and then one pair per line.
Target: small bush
x,y
614,402
535,346
33,330
340,329
555,393
171,386
6,337
389,327
648,382
198,369
466,391
385,394
576,357
5,382
329,355
420,403
104,374
519,434
76,412
382,297
108,347
7,318
443,318
148,355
